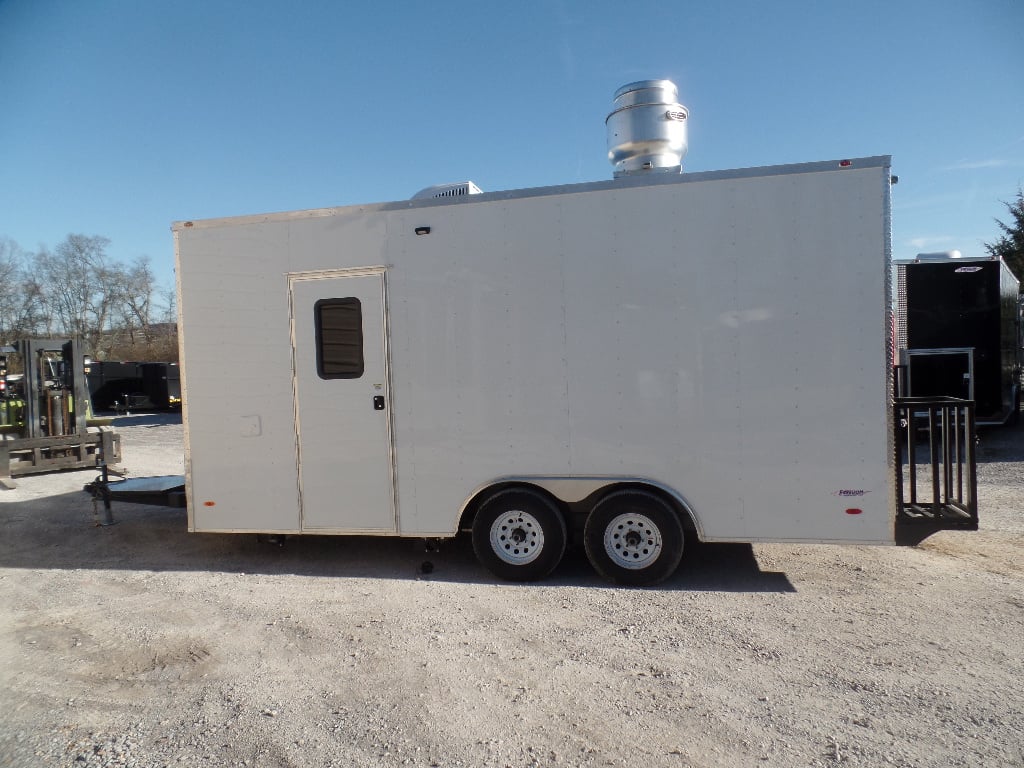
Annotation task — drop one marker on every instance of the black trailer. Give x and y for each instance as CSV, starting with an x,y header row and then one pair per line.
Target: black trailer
x,y
113,385
161,383
124,386
958,326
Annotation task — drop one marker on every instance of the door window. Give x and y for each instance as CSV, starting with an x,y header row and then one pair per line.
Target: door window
x,y
339,338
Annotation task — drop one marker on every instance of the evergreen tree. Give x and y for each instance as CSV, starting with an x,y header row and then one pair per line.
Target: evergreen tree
x,y
1010,246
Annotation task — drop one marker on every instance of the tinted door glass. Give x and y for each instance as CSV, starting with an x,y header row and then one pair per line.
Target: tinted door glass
x,y
339,338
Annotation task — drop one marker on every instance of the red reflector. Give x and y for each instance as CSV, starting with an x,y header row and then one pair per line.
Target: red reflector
x,y
854,511
845,163
214,503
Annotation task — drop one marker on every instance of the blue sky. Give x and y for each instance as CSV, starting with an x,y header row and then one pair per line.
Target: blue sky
x,y
120,116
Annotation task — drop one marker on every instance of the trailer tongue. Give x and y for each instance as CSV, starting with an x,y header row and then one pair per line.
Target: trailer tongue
x,y
159,490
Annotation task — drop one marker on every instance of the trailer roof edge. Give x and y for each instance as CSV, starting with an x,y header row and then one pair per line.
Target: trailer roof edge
x,y
657,179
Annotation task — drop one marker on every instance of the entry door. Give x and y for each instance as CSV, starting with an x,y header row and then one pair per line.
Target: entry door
x,y
341,386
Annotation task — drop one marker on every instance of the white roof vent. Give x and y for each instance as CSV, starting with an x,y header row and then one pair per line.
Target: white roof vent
x,y
458,189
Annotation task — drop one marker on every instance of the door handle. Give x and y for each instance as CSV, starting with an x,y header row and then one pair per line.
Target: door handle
x,y
378,402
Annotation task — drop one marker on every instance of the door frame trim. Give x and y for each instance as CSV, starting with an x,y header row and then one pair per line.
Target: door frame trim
x,y
292,279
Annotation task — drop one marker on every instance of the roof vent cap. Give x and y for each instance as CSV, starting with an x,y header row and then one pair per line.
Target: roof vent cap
x,y
456,189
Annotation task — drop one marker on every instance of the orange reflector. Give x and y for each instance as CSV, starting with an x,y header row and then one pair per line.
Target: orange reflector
x,y
209,503
849,511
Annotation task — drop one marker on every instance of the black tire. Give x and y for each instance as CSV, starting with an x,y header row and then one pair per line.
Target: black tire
x,y
519,534
634,538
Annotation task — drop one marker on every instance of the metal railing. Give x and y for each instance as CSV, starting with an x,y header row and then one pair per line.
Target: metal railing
x,y
936,472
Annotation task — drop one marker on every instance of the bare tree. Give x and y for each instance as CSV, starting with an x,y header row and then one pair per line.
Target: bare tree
x,y
21,309
82,287
138,286
168,306
77,290
10,279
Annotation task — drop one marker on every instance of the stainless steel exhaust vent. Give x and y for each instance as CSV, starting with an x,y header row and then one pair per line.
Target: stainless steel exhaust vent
x,y
647,128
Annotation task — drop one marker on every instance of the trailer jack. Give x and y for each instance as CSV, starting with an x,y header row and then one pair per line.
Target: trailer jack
x,y
100,489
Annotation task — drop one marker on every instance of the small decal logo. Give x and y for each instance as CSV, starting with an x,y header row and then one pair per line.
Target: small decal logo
x,y
849,492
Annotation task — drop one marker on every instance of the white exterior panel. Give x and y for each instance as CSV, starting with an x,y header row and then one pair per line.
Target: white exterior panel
x,y
722,335
478,355
236,363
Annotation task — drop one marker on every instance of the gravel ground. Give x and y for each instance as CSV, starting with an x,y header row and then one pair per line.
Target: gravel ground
x,y
141,645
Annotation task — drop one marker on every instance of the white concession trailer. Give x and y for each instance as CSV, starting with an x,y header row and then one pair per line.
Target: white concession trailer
x,y
613,362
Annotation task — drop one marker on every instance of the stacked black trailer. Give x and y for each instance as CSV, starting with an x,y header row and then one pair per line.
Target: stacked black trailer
x,y
117,386
958,326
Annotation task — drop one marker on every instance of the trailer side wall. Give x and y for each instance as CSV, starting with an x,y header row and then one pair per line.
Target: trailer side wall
x,y
724,336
